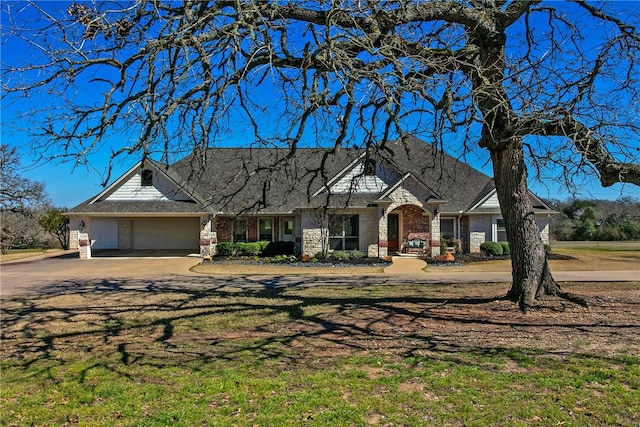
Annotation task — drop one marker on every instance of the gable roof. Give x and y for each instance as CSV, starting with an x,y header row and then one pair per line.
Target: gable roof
x,y
176,198
280,180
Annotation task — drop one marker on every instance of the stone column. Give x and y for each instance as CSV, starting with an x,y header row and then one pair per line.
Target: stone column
x,y
383,239
73,239
84,245
208,238
435,235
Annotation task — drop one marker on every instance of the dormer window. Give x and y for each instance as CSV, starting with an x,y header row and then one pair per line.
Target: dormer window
x,y
369,167
147,177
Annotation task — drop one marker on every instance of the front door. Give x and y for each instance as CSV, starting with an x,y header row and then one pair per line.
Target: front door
x,y
393,232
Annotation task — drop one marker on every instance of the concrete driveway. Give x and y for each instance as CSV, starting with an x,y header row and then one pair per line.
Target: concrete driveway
x,y
67,273
44,274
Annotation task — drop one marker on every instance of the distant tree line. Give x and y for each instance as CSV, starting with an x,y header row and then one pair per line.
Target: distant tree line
x,y
596,219
27,219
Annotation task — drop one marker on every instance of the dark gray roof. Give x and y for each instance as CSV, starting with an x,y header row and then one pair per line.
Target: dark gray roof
x,y
453,180
279,180
142,207
266,180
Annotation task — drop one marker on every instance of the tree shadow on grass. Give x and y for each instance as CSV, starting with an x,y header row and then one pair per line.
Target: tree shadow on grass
x,y
201,320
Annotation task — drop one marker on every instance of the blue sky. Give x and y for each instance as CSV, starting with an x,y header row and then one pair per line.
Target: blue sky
x,y
69,184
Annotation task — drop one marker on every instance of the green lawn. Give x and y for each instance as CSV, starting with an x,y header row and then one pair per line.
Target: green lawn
x,y
567,246
387,355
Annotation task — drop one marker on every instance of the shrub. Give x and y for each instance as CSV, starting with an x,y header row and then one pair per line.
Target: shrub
x,y
491,248
226,249
443,245
450,243
249,249
340,256
356,254
506,250
263,244
278,248
321,255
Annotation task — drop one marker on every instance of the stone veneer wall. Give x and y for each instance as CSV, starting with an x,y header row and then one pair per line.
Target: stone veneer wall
x,y
314,231
208,237
476,238
313,227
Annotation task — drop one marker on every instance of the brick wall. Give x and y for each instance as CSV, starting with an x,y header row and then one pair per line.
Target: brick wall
x,y
223,229
252,229
413,221
464,234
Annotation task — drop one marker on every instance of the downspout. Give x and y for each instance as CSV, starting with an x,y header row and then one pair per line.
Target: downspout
x,y
459,219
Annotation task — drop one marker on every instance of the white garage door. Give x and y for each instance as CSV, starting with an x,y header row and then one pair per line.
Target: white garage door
x,y
166,233
104,233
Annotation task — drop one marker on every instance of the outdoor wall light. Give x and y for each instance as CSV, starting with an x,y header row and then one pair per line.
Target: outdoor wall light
x,y
205,222
81,224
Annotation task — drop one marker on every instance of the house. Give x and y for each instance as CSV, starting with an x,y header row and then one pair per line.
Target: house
x,y
375,201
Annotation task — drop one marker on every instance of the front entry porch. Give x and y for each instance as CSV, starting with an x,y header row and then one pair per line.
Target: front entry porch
x,y
411,229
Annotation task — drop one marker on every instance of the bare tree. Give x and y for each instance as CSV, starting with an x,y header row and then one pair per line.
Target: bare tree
x,y
537,85
20,198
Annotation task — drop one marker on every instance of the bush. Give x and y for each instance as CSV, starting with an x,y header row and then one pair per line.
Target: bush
x,y
506,250
249,249
263,244
340,256
491,248
450,243
356,254
278,248
321,255
226,249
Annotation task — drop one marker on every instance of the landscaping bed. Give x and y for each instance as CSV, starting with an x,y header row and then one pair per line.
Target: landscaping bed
x,y
296,262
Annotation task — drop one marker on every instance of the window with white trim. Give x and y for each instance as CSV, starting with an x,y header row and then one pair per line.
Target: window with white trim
x,y
239,229
344,232
265,229
501,231
446,228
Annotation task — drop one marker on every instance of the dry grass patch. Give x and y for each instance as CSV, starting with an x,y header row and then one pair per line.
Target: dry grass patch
x,y
419,355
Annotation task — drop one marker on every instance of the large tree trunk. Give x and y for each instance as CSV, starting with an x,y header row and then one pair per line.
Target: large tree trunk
x,y
532,278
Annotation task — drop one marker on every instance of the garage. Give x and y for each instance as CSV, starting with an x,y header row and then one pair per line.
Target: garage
x,y
165,233
104,233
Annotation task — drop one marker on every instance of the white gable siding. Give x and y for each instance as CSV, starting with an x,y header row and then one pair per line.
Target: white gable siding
x,y
356,182
491,202
132,190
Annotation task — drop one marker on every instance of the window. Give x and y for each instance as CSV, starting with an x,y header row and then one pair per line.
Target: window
x,y
287,227
147,178
239,230
501,230
265,229
370,167
446,228
344,232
